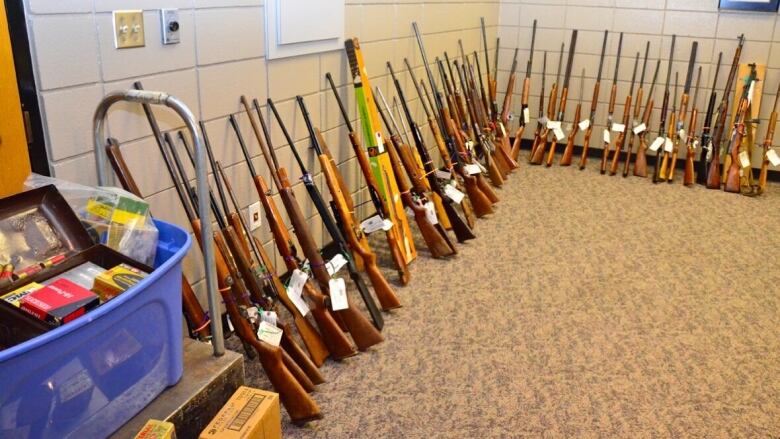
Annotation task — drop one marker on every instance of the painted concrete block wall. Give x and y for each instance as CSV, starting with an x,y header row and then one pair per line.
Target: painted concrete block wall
x,y
641,21
221,57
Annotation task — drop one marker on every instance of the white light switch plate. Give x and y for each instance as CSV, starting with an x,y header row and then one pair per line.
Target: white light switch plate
x,y
129,29
255,216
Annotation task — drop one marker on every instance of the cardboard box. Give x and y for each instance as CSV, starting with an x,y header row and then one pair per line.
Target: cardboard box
x,y
155,429
59,302
116,281
249,413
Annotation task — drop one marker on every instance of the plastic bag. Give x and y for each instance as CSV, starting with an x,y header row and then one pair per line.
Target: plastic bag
x,y
113,216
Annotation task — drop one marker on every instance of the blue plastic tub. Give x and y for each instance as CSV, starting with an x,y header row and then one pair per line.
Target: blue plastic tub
x,y
88,377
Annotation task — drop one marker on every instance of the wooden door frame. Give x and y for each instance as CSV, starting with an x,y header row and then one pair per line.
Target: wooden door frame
x,y
28,91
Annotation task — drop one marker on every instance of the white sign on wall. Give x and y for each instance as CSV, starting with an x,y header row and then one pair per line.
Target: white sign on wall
x,y
299,27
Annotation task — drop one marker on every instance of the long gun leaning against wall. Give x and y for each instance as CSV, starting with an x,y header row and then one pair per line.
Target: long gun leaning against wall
x,y
611,109
405,251
691,141
525,116
564,97
541,142
669,174
380,205
637,108
337,342
382,289
713,173
767,146
659,144
594,102
736,169
706,134
569,150
621,140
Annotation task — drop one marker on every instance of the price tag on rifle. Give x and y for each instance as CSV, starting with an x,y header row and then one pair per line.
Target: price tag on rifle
x,y
269,333
709,150
338,294
372,224
559,134
584,124
657,144
453,193
387,224
230,324
751,91
681,134
526,115
295,289
668,145
335,264
470,145
473,169
639,129
269,317
744,159
443,175
695,144
773,158
430,213
618,127
606,136
252,314
553,124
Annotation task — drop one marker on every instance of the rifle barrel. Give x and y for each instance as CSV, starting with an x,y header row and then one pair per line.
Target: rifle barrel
x,y
338,101
570,60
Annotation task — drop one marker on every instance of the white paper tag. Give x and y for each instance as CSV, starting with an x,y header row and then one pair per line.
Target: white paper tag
x,y
430,213
444,175
751,90
639,129
773,158
695,144
681,134
469,145
269,316
669,145
526,115
584,124
744,159
618,127
453,193
606,136
372,224
387,224
559,134
553,124
709,151
473,169
543,121
335,264
252,314
269,333
295,288
338,294
656,144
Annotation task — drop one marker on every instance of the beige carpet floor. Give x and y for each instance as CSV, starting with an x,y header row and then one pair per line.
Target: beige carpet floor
x,y
588,306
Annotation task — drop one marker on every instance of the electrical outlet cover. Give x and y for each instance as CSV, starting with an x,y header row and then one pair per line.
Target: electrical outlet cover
x,y
255,216
129,29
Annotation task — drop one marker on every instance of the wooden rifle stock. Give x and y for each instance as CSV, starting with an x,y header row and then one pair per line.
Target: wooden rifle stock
x,y
640,163
676,150
732,178
632,135
538,154
767,145
621,139
569,150
662,172
521,129
688,175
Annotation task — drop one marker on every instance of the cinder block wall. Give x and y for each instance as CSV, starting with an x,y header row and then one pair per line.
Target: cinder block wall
x,y
641,21
221,57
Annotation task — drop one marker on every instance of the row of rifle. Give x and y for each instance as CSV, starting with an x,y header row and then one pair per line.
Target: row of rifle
x,y
673,134
473,146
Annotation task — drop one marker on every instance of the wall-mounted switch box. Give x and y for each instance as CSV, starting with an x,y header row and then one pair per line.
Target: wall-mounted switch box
x,y
129,29
170,26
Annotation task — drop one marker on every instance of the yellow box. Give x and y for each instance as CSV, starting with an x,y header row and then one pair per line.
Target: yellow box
x,y
249,413
155,429
115,281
